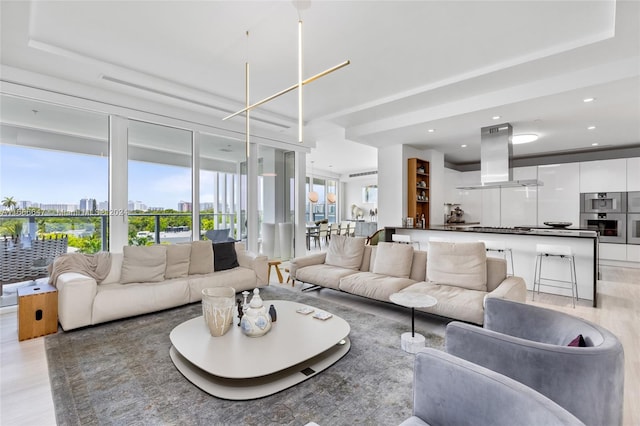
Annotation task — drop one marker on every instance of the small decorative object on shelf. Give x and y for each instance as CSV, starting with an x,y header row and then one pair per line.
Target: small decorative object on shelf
x,y
273,314
256,321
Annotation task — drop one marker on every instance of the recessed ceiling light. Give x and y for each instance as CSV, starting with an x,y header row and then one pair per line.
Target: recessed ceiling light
x,y
431,130
591,128
587,100
496,117
595,144
463,146
526,138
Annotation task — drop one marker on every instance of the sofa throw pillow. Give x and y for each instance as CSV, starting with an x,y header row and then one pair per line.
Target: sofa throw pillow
x,y
178,256
345,252
578,342
393,259
224,256
458,264
201,259
143,264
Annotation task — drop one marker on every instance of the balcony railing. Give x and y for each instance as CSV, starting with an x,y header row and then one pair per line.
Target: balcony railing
x,y
89,232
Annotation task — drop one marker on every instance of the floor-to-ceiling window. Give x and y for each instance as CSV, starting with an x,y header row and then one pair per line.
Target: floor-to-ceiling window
x,y
325,207
53,173
159,190
220,190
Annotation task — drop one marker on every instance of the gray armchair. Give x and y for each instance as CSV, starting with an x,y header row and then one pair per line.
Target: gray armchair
x,y
529,344
451,391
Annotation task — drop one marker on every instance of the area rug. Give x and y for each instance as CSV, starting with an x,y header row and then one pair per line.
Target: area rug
x,y
120,373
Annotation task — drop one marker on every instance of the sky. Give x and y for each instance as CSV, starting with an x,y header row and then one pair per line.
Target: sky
x,y
53,177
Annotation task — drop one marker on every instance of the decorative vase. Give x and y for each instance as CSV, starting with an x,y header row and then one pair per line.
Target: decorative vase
x,y
256,321
217,309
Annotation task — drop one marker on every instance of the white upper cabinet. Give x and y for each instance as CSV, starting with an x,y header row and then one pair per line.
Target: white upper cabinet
x,y
559,197
603,175
518,206
633,174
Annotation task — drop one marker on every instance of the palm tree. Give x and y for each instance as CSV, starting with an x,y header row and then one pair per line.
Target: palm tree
x,y
9,203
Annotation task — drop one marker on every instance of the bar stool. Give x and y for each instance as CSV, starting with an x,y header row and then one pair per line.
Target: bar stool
x,y
563,252
501,248
405,239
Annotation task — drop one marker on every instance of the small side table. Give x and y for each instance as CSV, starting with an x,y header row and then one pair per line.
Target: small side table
x,y
275,263
412,342
37,311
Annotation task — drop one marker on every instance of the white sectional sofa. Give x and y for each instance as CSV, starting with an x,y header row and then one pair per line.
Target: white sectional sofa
x,y
151,278
459,275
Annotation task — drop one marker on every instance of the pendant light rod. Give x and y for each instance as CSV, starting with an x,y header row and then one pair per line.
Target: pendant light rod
x,y
300,119
246,82
289,89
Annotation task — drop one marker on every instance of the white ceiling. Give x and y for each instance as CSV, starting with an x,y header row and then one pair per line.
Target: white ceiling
x,y
415,65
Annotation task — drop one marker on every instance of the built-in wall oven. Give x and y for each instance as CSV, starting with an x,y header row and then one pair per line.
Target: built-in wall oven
x,y
603,202
633,217
612,227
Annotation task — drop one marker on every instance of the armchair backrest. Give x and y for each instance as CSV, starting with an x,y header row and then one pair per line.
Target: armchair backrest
x,y
451,391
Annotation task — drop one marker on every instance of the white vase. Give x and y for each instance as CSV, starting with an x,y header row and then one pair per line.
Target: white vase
x,y
217,308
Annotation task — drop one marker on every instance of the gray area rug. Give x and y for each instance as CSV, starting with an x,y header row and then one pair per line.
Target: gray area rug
x,y
120,373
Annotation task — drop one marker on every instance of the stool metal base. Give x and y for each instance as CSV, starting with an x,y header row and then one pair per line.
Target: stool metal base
x,y
537,278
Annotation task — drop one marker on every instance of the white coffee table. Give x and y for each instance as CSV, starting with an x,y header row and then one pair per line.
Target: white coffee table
x,y
238,367
412,342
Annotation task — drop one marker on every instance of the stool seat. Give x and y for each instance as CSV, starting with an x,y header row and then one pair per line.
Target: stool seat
x,y
554,250
564,253
500,247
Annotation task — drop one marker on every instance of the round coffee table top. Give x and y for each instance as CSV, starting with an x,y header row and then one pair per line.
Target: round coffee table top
x,y
413,299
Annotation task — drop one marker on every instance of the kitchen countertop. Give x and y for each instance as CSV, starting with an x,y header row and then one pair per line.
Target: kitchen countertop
x,y
550,232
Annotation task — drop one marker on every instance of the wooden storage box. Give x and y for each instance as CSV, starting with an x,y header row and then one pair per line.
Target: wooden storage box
x,y
37,311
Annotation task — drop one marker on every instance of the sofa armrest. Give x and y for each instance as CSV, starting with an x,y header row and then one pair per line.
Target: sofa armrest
x,y
304,261
257,262
512,288
76,293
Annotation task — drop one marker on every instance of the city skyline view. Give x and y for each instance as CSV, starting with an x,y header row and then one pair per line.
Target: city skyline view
x,y
54,177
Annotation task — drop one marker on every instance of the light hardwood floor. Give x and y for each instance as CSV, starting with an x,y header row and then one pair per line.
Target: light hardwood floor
x,y
25,393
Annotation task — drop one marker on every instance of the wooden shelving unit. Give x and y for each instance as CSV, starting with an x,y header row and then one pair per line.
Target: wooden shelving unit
x,y
418,191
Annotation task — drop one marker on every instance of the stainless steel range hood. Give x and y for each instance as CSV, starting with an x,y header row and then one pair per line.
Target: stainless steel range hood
x,y
496,153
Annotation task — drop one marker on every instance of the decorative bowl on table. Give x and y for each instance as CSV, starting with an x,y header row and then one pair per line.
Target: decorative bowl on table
x,y
558,224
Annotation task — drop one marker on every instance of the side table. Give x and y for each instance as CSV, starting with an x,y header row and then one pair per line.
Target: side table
x,y
276,264
37,311
412,342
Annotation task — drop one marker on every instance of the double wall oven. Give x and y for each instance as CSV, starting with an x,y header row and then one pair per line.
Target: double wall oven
x,y
633,217
605,212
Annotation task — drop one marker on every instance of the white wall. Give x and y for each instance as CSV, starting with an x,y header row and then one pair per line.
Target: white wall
x,y
353,195
392,179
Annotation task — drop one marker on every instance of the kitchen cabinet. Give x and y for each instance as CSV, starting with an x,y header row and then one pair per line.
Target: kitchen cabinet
x,y
613,251
633,174
559,197
603,175
518,206
418,190
633,253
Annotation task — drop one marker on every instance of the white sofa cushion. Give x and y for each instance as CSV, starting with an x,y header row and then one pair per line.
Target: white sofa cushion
x,y
393,260
453,302
143,264
201,260
373,286
345,252
178,257
458,264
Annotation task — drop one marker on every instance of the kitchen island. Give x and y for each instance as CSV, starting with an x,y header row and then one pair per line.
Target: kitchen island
x,y
522,241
